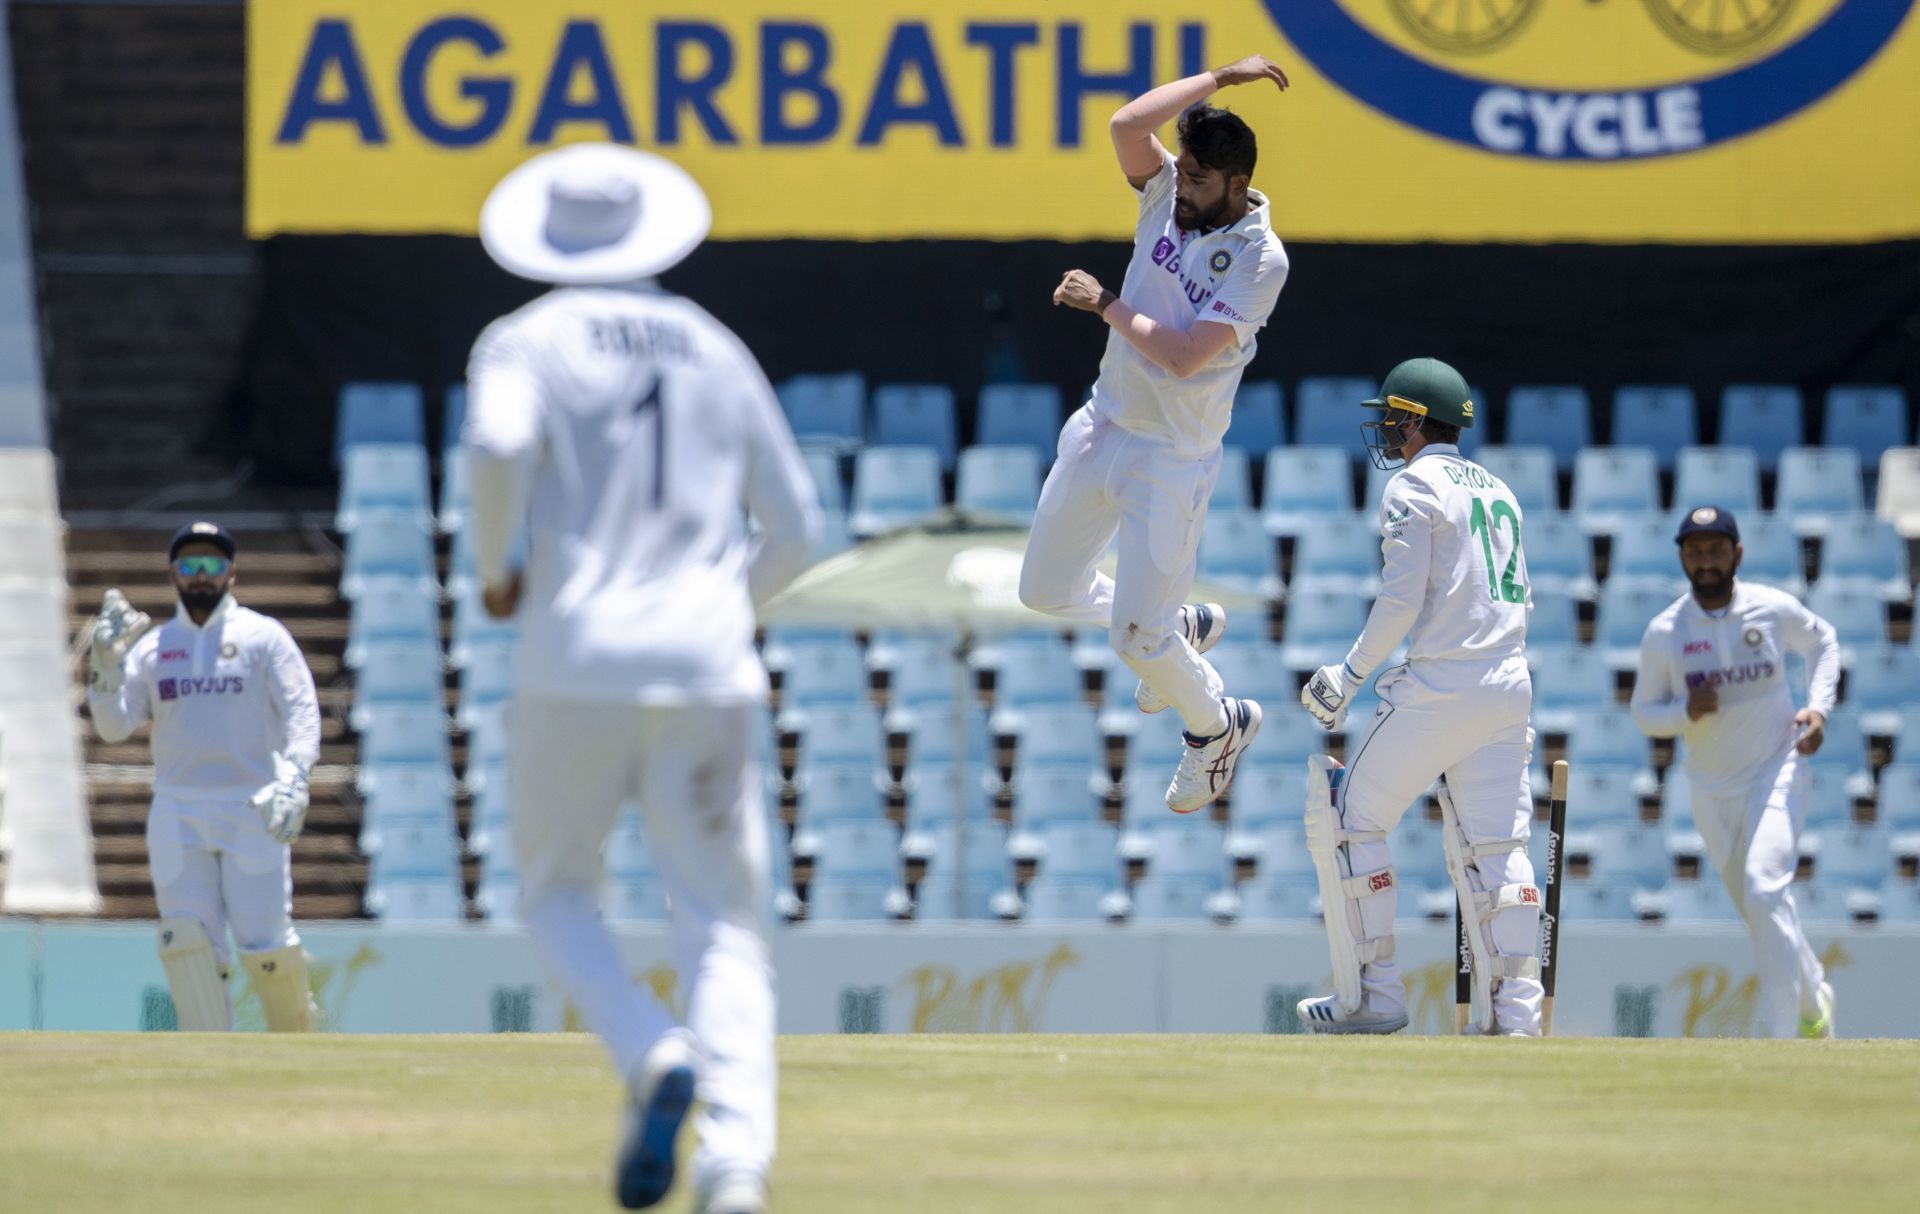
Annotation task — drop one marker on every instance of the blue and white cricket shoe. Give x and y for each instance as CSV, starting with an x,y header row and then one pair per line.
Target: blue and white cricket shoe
x,y
1325,1015
657,1106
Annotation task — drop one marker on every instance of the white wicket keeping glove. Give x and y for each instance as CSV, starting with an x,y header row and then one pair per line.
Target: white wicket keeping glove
x,y
115,630
283,803
1326,695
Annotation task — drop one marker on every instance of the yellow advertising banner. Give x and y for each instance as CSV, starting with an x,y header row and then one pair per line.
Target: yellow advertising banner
x,y
1694,121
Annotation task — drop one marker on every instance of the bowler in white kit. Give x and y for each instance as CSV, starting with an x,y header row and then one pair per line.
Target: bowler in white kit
x,y
1713,673
631,434
236,730
1141,458
1455,590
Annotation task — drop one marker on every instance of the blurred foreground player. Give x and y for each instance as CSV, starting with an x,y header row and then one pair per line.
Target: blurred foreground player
x,y
628,428
1456,591
1713,672
236,730
1140,460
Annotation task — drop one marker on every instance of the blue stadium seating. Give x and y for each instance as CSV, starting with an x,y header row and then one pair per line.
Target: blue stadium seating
x,y
1321,627
453,418
498,898
1556,417
1039,675
1859,616
1611,484
963,876
1864,552
939,793
379,413
402,673
1052,735
1765,417
389,610
1185,846
1818,485
1645,555
1528,473
916,415
836,792
921,668
828,409
1866,418
1625,611
1604,793
1259,422
1168,898
473,628
999,483
1554,620
486,681
1279,897
1727,477
1236,551
402,898
403,733
1559,557
1567,683
383,478
894,487
1661,418
1327,413
825,671
388,545
1020,415
1339,554
1069,899
1607,738
823,464
848,733
1234,488
1771,553
1303,485
1078,848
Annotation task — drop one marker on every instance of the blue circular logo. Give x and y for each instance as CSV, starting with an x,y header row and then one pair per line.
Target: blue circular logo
x,y
1513,119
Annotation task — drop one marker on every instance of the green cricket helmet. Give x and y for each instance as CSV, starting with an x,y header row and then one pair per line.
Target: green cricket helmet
x,y
1417,389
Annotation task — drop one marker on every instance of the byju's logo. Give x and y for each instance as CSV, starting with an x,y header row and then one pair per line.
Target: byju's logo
x,y
180,689
1512,118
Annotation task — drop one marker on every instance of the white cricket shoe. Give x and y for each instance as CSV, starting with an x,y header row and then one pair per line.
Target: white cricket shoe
x,y
657,1105
1325,1015
735,1193
1203,624
1820,1026
1207,766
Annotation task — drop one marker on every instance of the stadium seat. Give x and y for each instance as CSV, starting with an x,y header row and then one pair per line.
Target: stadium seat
x,y
405,898
1645,555
920,668
846,733
473,628
404,733
1702,899
1899,797
1175,897
1555,417
1237,551
1608,738
1589,900
1568,682
389,545
827,409
1281,897
1079,850
1818,485
453,418
1044,675
379,413
1305,484
1625,612
1727,477
1883,679
1559,557
1859,616
838,899
1661,418
1321,627
894,487
944,733
406,790
1052,735
1765,417
940,792
1260,671
1270,792
498,897
1604,794
1340,554
390,610
916,415
1234,488
1865,418
1043,795
1864,552
1376,489
826,671
963,876
386,478
837,792
455,493
1184,846
1327,413
1020,415
836,535
1554,620
486,681
1258,423
823,464
403,673
1072,899
1528,473
1898,498
999,483
1770,553
1855,855
852,848
1611,484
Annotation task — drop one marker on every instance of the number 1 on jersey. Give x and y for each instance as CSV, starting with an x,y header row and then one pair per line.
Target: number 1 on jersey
x,y
652,403
1484,523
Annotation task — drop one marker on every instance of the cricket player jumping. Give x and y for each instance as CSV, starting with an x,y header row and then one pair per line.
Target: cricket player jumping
x,y
236,730
628,428
1456,590
1141,457
1713,672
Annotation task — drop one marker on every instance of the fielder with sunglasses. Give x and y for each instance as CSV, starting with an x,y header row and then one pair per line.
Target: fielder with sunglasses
x,y
236,730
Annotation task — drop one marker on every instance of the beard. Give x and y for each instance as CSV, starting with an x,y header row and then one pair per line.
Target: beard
x,y
201,600
1710,583
1189,218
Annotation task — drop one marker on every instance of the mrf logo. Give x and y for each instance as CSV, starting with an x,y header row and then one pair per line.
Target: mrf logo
x,y
1698,647
1524,118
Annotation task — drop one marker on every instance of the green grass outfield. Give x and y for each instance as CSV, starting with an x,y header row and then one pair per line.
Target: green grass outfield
x,y
980,1124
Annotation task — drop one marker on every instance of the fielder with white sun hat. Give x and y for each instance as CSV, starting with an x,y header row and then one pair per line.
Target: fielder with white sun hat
x,y
626,429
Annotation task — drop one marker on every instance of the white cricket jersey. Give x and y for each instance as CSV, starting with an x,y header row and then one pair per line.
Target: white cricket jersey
x,y
1455,574
1740,651
222,696
1230,276
632,431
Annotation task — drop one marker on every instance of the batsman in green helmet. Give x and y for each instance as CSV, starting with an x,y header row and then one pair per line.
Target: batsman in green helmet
x,y
1455,594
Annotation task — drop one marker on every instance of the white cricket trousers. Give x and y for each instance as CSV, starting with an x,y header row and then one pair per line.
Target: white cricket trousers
x,y
216,863
571,766
1467,722
1751,831
1107,480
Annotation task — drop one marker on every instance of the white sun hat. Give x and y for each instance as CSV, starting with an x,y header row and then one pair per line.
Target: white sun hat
x,y
594,213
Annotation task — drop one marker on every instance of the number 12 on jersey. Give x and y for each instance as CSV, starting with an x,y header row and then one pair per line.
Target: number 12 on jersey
x,y
1485,523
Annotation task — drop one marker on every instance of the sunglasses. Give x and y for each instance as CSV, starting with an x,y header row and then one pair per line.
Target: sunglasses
x,y
195,566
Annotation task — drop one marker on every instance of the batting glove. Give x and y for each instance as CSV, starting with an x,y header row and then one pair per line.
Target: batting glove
x,y
115,630
283,804
1326,695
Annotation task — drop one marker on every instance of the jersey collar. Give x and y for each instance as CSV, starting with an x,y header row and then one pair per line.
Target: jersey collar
x,y
1435,449
1254,225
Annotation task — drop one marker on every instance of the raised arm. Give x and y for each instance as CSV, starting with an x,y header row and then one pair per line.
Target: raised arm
x,y
1134,143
